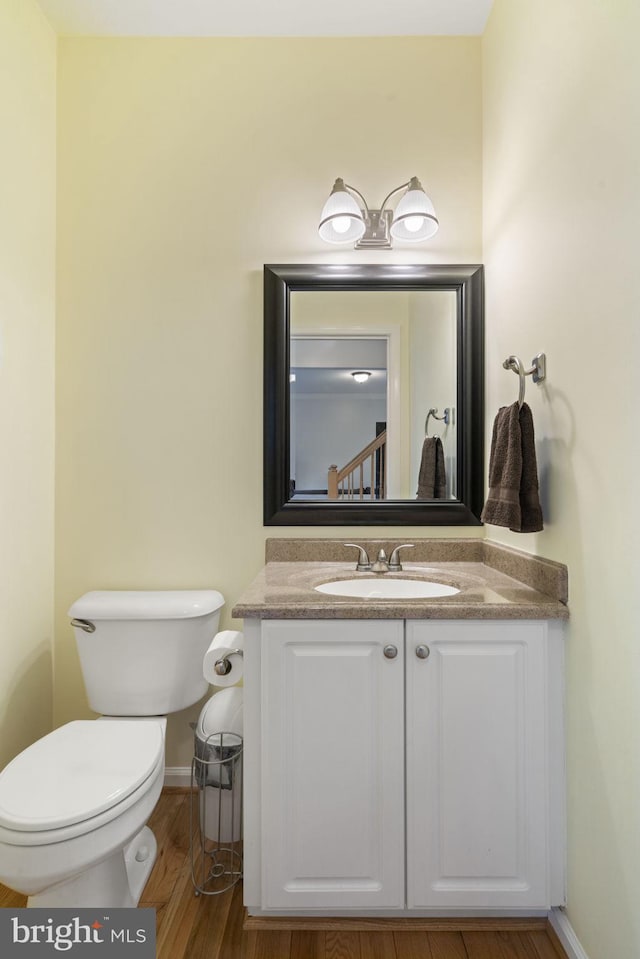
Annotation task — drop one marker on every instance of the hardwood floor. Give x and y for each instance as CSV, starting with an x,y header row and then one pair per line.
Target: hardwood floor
x,y
212,927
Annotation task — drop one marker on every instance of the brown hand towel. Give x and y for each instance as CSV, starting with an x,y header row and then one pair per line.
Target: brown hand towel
x,y
440,487
530,510
513,481
505,469
431,475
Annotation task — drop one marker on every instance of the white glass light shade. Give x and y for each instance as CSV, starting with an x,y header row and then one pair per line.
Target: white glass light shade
x,y
361,376
341,220
414,217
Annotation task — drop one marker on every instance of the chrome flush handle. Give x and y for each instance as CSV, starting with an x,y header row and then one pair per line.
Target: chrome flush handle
x,y
84,624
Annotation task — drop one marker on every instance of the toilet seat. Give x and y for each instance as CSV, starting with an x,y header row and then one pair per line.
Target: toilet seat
x,y
77,778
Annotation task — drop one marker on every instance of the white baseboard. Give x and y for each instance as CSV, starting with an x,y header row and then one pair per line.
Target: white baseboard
x,y
565,933
177,775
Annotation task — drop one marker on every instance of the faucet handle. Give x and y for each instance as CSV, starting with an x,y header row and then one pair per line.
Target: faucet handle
x,y
364,563
394,560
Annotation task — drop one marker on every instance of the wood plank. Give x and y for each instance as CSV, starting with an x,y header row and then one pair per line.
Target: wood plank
x,y
547,944
171,822
181,915
272,945
485,945
9,899
523,946
206,936
164,812
342,945
307,945
231,945
412,945
447,945
377,945
249,944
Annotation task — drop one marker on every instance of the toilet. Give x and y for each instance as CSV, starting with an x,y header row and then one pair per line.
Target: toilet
x,y
74,804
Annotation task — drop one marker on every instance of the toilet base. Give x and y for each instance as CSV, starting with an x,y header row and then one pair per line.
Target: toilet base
x,y
116,882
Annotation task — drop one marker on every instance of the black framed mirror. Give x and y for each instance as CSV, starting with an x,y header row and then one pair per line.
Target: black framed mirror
x,y
339,313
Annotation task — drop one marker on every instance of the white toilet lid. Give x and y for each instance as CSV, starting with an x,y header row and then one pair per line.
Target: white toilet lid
x,y
77,771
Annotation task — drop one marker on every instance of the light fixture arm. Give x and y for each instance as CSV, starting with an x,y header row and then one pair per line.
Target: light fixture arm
x,y
352,189
393,193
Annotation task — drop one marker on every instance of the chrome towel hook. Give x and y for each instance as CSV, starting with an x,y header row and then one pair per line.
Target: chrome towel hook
x,y
432,412
538,371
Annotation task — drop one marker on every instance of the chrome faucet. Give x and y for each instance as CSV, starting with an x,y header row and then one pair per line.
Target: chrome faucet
x,y
382,564
364,563
394,560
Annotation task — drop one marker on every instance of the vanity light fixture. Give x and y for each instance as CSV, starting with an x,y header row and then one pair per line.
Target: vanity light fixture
x,y
344,220
361,376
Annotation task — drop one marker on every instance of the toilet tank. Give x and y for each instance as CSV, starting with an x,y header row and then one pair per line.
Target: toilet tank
x,y
141,651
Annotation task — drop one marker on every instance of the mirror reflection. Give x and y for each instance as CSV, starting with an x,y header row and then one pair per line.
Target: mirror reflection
x,y
372,395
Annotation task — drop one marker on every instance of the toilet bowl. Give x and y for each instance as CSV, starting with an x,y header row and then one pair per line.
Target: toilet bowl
x,y
74,804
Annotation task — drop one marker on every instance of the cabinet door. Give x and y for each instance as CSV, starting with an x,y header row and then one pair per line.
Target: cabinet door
x,y
332,765
477,779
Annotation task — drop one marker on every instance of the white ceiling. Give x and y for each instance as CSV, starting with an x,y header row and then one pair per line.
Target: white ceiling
x,y
338,381
245,18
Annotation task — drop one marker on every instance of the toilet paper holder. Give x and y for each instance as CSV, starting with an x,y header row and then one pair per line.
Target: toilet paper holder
x,y
215,816
222,666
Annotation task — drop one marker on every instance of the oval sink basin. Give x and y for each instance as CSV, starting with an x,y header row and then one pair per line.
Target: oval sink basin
x,y
387,589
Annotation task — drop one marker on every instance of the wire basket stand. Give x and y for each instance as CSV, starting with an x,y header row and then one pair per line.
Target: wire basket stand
x,y
215,818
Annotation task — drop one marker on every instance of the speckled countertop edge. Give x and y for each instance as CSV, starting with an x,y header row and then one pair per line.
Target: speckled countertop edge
x,y
482,571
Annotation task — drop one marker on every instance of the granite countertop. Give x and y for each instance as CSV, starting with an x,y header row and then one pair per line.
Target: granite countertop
x,y
494,583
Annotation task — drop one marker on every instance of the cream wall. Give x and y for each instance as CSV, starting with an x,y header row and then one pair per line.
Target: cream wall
x,y
561,218
184,166
27,301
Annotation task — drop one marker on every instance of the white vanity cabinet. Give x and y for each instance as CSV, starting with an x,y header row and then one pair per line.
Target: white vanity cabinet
x,y
333,764
403,766
485,765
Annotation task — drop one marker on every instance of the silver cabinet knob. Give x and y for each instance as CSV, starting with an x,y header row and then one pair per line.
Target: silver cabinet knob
x,y
390,651
422,652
